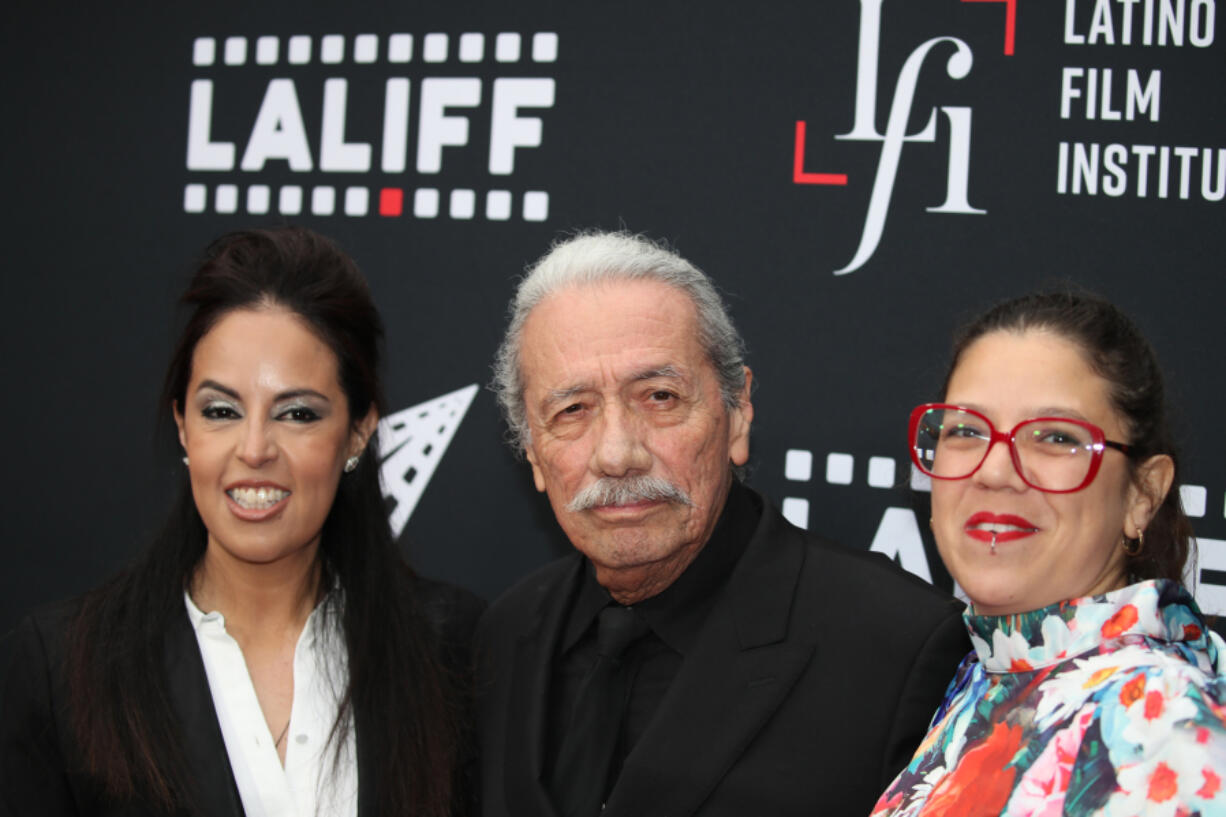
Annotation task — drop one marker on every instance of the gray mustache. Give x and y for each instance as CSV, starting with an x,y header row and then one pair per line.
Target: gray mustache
x,y
626,491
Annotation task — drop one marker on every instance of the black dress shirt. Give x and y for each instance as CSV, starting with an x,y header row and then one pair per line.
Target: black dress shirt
x,y
675,617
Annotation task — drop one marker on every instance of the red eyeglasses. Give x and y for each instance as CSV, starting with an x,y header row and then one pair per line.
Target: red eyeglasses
x,y
1054,454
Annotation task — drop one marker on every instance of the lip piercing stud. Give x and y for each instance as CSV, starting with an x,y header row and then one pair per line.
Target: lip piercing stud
x,y
993,543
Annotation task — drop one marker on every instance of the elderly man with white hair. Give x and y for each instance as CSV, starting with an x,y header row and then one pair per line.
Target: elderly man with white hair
x,y
697,654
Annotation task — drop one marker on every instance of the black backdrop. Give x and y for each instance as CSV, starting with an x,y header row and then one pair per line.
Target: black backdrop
x,y
672,118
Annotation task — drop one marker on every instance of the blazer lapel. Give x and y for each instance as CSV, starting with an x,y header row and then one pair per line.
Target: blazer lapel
x,y
526,722
204,750
740,671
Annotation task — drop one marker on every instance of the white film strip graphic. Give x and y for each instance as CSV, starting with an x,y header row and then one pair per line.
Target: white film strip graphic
x,y
840,470
322,200
365,49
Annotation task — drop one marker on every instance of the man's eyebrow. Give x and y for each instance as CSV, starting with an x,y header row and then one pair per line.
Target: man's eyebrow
x,y
668,370
559,395
554,396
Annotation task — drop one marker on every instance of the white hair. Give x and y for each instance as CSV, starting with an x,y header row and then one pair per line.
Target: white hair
x,y
597,257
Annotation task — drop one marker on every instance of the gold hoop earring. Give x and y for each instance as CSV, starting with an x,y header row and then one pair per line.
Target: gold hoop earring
x,y
1133,547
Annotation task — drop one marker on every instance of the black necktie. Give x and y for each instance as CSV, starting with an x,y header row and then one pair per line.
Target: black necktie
x,y
581,775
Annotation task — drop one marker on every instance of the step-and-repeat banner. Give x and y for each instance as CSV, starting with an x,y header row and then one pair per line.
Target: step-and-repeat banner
x,y
859,177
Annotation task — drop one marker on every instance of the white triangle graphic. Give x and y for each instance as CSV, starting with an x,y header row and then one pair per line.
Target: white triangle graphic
x,y
411,443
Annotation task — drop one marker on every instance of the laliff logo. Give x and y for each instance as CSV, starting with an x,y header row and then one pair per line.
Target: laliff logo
x,y
411,443
352,158
864,127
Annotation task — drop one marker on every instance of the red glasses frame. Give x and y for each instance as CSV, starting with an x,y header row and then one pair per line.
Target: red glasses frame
x,y
1096,434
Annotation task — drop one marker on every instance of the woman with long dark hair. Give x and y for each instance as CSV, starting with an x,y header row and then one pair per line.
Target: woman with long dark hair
x,y
1095,686
271,653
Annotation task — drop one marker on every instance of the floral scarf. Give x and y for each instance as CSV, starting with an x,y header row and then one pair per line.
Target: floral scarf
x,y
1110,705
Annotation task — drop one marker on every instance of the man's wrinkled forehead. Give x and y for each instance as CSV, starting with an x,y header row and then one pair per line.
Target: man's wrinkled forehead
x,y
572,344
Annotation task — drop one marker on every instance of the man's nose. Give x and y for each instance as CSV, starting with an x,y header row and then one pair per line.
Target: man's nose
x,y
620,448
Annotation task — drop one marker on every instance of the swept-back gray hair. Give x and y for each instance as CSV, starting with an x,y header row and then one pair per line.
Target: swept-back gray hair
x,y
596,257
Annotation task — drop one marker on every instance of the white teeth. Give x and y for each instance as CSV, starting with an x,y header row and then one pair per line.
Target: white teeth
x,y
996,527
257,499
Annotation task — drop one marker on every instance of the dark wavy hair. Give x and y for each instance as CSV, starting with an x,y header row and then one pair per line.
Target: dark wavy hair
x,y
398,688
1117,351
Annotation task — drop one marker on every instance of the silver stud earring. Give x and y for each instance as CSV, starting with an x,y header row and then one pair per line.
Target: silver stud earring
x,y
186,461
351,464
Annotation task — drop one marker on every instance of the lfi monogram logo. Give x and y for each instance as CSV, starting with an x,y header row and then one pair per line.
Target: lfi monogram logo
x,y
864,127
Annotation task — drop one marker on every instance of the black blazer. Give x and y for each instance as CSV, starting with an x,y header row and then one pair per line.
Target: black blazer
x,y
809,688
40,770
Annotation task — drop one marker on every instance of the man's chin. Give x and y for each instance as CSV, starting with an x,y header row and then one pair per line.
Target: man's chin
x,y
634,573
626,550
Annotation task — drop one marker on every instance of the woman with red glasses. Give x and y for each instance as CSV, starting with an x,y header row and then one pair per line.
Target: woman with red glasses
x,y
1095,685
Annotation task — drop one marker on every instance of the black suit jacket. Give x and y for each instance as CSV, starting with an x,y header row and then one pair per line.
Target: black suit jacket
x,y
40,771
809,688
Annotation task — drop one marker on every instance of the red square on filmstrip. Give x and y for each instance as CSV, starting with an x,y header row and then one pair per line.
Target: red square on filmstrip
x,y
391,201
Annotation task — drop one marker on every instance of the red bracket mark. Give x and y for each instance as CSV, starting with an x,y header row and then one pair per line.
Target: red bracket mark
x,y
391,201
1010,21
799,176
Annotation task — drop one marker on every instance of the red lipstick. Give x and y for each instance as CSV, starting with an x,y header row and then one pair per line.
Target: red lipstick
x,y
1028,528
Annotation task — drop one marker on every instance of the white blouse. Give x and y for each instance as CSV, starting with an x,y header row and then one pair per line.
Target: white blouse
x,y
310,784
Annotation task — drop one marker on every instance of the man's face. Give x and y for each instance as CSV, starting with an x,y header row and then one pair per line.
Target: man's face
x,y
618,388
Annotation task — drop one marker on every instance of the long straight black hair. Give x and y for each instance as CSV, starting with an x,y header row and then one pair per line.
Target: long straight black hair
x,y
410,710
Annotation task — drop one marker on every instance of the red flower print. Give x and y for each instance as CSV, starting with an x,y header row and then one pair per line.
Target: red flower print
x,y
982,781
1154,704
1191,632
885,806
1133,690
1124,618
1020,665
1162,784
1213,784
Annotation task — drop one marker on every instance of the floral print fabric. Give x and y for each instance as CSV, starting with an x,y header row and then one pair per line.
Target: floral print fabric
x,y
1104,705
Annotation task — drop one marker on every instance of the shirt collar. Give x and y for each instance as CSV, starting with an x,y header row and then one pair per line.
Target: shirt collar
x,y
200,619
194,613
